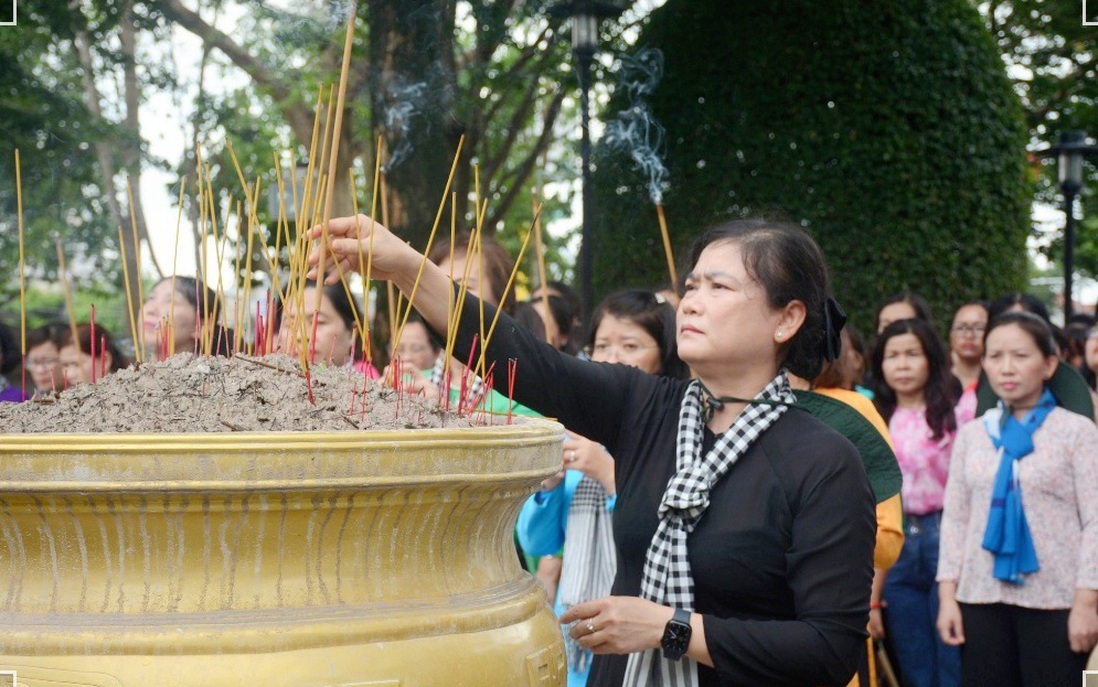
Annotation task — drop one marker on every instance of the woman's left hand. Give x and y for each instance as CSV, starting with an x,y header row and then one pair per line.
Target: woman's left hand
x,y
580,453
1083,621
618,624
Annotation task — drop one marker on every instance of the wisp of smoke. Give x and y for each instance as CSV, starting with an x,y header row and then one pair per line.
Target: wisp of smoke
x,y
635,130
338,13
404,102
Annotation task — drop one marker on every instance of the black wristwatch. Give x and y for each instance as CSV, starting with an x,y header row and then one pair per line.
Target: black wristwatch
x,y
676,636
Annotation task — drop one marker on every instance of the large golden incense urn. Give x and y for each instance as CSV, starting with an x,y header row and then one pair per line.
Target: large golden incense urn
x,y
303,559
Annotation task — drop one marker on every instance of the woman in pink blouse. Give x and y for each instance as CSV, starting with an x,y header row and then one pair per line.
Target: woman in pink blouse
x,y
912,374
1018,569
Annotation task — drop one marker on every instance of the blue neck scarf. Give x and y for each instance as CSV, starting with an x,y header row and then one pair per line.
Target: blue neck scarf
x,y
1007,534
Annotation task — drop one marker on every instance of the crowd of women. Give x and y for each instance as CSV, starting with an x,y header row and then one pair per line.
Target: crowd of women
x,y
747,490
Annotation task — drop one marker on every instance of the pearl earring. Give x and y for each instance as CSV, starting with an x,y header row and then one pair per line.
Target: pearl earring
x,y
779,335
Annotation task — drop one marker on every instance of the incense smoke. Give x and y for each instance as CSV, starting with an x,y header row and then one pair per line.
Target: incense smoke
x,y
338,13
404,102
635,130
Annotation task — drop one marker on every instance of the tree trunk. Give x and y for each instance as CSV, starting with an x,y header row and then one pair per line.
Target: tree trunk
x,y
110,190
412,85
131,153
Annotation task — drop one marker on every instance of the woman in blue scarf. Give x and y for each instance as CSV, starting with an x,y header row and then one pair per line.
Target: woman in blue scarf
x,y
1018,564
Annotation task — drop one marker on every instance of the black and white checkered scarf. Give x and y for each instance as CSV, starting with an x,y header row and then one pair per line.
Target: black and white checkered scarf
x,y
589,558
667,578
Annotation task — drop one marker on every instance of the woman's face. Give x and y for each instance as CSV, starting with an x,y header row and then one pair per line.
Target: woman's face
x,y
77,365
894,312
415,346
164,305
44,365
905,365
1090,350
1015,366
618,340
474,284
724,321
332,344
966,336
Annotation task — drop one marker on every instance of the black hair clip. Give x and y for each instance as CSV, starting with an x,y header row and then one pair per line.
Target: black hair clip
x,y
834,320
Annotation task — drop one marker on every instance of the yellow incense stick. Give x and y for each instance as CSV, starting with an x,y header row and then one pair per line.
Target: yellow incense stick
x,y
22,269
236,277
362,323
334,155
140,351
430,239
374,199
175,258
478,222
667,245
471,253
539,259
67,290
510,282
243,295
390,290
129,294
253,222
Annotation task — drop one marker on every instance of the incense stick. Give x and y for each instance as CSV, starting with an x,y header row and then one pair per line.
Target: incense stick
x,y
667,245
389,288
170,348
430,239
333,160
67,290
253,222
129,294
22,273
136,264
510,281
539,257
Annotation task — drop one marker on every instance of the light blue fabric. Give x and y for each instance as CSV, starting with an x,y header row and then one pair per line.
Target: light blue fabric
x,y
1007,534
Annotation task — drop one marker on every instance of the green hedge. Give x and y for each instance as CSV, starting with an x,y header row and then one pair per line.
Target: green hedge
x,y
890,131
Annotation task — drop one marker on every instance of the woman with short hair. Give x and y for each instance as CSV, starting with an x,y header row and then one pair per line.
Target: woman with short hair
x,y
744,527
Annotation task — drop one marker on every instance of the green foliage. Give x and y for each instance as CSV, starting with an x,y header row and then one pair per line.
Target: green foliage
x,y
46,305
888,130
43,116
1055,67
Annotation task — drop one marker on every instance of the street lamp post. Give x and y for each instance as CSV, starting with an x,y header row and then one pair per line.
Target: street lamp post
x,y
586,15
1070,148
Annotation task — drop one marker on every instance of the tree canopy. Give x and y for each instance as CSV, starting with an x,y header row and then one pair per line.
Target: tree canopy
x,y
1053,62
890,132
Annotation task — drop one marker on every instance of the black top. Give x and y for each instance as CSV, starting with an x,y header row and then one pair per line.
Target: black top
x,y
782,559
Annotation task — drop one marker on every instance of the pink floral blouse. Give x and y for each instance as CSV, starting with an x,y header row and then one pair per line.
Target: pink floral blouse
x,y
923,461
1059,482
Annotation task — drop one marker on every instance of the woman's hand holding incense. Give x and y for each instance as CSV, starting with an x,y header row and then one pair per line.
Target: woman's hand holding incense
x,y
357,243
362,245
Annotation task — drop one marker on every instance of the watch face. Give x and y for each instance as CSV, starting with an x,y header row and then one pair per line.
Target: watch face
x,y
676,639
